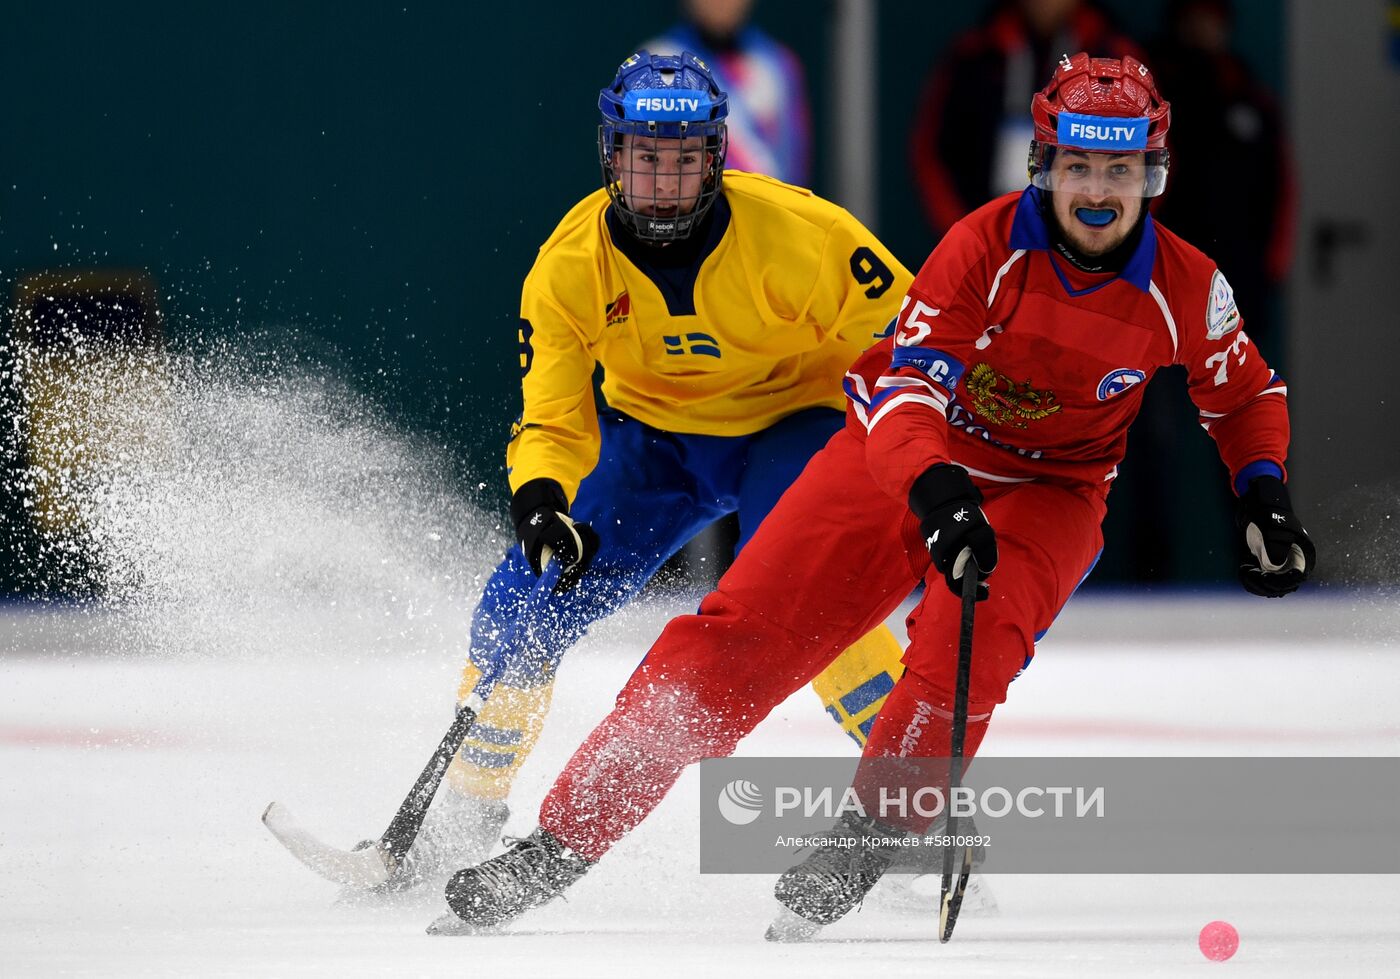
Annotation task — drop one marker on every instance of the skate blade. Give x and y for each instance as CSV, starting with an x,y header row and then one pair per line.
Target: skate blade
x,y
790,927
449,925
919,894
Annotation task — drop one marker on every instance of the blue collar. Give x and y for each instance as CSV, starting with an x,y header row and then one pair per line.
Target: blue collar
x,y
1028,231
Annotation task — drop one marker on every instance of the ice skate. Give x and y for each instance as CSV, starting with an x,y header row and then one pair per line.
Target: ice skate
x,y
458,831
913,883
533,871
831,880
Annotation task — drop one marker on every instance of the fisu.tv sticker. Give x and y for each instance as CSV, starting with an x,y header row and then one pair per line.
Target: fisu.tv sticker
x,y
1101,132
1222,315
667,105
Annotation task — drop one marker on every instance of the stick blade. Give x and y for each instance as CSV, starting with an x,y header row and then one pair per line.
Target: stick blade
x,y
952,897
945,907
353,868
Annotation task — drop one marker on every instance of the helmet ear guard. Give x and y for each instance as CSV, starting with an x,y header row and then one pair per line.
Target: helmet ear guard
x,y
653,99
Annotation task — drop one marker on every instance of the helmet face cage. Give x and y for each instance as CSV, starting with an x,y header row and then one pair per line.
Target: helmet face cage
x,y
661,145
662,185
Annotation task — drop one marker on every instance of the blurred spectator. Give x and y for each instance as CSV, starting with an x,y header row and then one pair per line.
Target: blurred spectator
x,y
769,118
1230,157
972,130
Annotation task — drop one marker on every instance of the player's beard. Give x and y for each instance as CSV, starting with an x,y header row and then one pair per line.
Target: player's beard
x,y
1092,241
1107,255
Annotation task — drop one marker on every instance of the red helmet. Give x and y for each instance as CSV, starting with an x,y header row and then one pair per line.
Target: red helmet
x,y
1101,87
1101,105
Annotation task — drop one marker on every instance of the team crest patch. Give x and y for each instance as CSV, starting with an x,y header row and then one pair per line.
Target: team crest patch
x,y
1222,316
618,310
999,399
1116,382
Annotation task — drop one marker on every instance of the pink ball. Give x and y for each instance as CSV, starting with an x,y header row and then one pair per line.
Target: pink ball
x,y
1219,941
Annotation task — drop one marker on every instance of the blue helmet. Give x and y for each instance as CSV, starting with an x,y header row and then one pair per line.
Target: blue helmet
x,y
653,185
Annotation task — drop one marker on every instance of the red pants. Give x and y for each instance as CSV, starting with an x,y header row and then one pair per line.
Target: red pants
x,y
834,559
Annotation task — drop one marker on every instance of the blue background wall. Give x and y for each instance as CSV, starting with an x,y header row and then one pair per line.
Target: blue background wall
x,y
373,177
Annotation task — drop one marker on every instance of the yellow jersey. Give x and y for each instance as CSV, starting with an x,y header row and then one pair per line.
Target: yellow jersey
x,y
754,317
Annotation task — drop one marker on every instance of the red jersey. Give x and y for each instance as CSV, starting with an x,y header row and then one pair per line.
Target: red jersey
x,y
1011,362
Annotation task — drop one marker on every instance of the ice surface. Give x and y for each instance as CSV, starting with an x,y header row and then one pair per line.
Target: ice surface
x,y
130,843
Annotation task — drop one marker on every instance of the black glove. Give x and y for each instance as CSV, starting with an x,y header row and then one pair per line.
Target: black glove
x,y
1276,555
954,527
540,512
